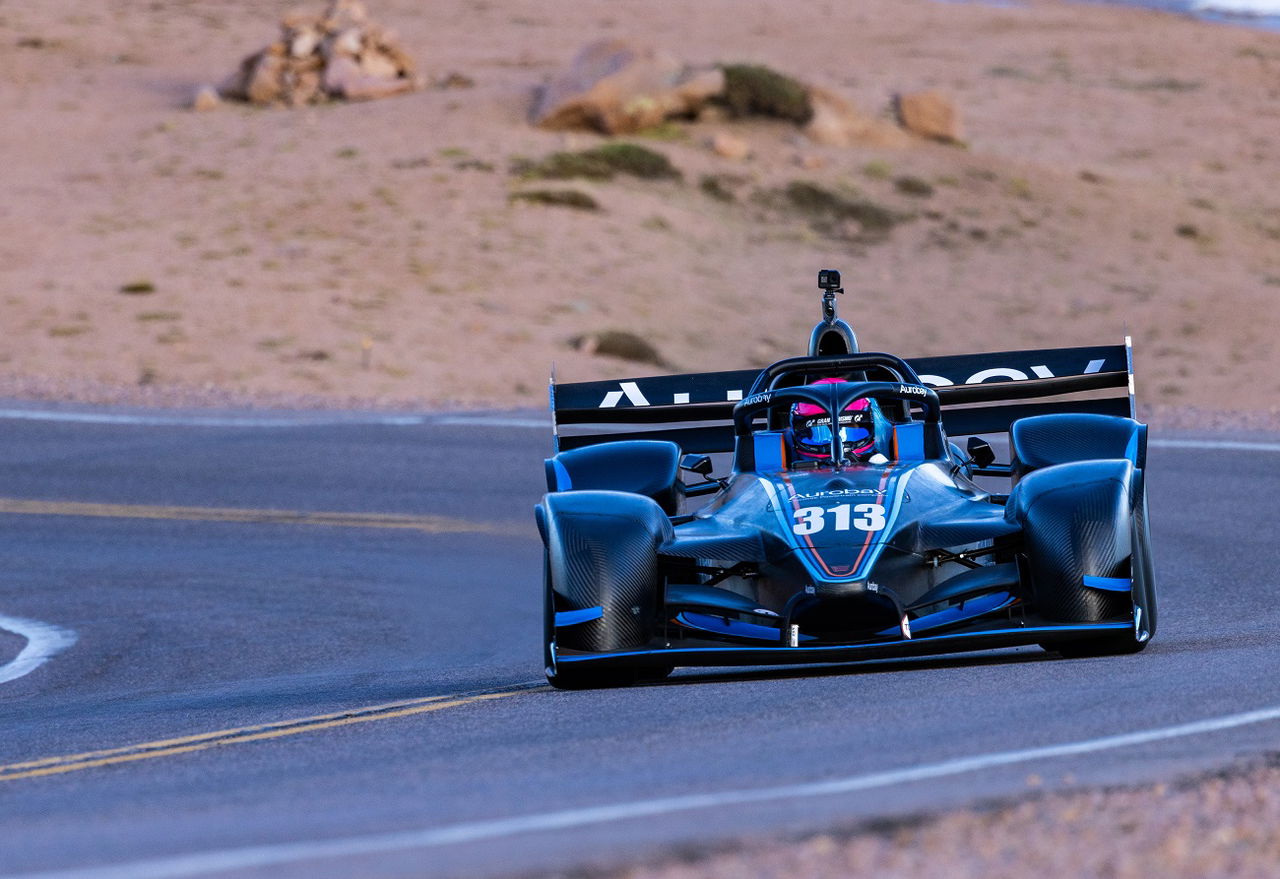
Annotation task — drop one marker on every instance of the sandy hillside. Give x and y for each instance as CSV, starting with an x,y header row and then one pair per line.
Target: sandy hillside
x,y
1122,169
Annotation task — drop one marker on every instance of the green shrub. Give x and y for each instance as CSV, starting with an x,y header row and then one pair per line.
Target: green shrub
x,y
878,169
753,89
822,204
567,198
621,344
914,186
713,185
601,163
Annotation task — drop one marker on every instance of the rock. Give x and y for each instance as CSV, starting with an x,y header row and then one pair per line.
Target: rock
x,y
377,64
455,80
306,88
236,86
344,14
714,113
836,122
730,147
340,70
206,99
304,42
347,43
344,79
266,81
389,45
342,54
929,114
614,87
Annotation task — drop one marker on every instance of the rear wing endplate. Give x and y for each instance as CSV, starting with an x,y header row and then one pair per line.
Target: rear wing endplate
x,y
980,393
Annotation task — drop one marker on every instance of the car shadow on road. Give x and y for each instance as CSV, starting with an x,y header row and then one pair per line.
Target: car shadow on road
x,y
891,666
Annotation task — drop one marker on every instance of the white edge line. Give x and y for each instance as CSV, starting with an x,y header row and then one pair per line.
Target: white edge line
x,y
494,421
304,420
205,420
44,641
1229,445
217,861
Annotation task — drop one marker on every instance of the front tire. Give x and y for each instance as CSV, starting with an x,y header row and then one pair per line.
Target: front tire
x,y
1142,570
1080,520
602,556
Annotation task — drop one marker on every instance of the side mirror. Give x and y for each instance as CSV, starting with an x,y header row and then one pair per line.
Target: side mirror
x,y
700,464
981,452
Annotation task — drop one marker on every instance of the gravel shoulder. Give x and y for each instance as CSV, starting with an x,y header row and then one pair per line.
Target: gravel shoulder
x,y
1220,824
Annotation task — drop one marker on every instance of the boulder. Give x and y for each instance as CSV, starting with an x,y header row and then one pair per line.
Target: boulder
x,y
929,114
206,99
836,122
615,87
730,147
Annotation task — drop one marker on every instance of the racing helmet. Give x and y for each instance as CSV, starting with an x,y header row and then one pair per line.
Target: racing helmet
x,y
811,429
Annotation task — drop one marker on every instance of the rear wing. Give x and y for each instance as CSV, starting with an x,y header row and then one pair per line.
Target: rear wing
x,y
980,393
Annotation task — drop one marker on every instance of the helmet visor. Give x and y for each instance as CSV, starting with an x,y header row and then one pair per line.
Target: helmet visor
x,y
815,436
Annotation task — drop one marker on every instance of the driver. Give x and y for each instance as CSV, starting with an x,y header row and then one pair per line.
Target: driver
x,y
811,430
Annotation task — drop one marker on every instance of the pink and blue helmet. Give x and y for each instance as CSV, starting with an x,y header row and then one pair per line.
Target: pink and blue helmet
x,y
811,428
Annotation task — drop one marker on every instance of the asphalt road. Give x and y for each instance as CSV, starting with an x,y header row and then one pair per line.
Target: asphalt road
x,y
207,718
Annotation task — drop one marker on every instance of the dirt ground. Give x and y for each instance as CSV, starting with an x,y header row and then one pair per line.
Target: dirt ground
x,y
1220,825
1121,171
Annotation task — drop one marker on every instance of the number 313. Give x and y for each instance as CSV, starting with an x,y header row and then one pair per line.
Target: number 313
x,y
811,520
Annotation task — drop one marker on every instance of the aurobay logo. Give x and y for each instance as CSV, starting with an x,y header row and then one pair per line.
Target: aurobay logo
x,y
631,390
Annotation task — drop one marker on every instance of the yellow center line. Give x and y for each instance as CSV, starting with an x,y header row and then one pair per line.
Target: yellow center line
x,y
426,523
236,736
222,733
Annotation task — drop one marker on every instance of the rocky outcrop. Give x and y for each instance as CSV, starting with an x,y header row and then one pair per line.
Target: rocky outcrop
x,y
615,87
340,55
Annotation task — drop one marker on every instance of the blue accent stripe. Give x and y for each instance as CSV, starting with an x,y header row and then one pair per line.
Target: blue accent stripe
x,y
1027,633
722,626
1109,584
966,610
573,617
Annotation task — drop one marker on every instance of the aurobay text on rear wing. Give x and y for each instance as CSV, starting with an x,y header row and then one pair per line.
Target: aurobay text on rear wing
x,y
980,393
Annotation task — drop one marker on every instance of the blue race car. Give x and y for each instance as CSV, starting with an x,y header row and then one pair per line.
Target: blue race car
x,y
849,525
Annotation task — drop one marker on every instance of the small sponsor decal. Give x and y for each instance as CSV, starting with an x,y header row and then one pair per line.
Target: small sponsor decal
x,y
758,399
837,493
915,390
